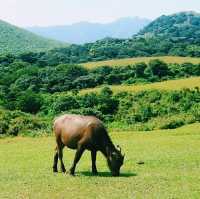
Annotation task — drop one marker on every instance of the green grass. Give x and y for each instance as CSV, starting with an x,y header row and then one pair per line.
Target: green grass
x,y
171,168
129,61
165,85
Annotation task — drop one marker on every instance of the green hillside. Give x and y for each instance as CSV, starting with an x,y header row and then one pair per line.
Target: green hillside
x,y
180,26
16,40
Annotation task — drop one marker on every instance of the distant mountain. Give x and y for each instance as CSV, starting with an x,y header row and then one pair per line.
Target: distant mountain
x,y
183,26
174,35
85,32
17,40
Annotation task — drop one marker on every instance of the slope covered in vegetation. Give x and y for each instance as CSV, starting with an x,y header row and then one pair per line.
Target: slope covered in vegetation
x,y
180,26
47,84
16,40
49,91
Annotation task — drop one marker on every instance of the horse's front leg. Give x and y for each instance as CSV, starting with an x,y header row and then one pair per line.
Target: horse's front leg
x,y
94,168
77,157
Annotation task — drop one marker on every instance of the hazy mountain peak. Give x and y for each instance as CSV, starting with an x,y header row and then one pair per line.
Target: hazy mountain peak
x,y
84,32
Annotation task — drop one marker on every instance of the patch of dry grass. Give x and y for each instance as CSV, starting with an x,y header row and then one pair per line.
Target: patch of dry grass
x,y
165,85
129,61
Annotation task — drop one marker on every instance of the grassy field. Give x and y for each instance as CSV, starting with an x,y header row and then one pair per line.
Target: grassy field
x,y
171,168
129,61
165,85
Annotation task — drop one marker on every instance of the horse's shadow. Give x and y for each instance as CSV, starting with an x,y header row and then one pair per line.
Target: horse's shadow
x,y
106,174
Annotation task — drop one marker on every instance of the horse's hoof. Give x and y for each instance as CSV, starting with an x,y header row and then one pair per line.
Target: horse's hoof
x,y
55,170
95,173
71,173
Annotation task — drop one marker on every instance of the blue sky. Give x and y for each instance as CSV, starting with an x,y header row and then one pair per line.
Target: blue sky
x,y
58,12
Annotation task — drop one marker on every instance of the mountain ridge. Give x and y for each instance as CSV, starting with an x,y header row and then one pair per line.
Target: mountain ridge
x,y
86,32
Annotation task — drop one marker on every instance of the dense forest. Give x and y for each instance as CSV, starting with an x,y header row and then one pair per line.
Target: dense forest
x,y
18,76
35,87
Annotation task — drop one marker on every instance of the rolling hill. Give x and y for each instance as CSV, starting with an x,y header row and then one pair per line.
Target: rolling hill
x,y
16,40
85,32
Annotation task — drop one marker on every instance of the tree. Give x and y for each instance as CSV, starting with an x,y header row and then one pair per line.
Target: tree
x,y
157,68
139,69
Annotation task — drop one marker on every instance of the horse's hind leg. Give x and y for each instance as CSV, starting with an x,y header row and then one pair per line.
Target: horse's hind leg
x,y
55,162
60,147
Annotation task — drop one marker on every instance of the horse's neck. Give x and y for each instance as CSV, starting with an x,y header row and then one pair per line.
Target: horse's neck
x,y
108,148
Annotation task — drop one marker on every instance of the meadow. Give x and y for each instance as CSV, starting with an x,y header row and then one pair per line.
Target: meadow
x,y
165,85
170,170
130,61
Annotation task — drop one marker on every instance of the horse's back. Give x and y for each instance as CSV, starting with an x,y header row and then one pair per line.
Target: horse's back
x,y
73,129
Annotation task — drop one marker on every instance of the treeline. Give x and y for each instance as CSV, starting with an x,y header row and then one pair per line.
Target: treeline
x,y
145,110
110,48
18,76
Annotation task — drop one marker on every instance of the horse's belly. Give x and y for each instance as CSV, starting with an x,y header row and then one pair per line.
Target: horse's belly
x,y
71,140
71,144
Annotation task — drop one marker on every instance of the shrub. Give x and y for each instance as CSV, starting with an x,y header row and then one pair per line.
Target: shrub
x,y
65,103
195,110
172,124
3,126
157,68
29,102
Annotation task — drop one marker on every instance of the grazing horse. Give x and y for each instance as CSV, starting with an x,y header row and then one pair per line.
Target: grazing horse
x,y
81,133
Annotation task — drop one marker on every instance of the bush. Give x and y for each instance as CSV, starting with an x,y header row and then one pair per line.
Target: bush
x,y
157,68
195,110
29,102
3,126
65,103
172,124
16,122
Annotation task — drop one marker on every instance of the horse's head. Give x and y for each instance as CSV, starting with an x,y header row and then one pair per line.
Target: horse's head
x,y
115,160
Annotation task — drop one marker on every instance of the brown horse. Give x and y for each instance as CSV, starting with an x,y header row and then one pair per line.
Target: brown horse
x,y
81,133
